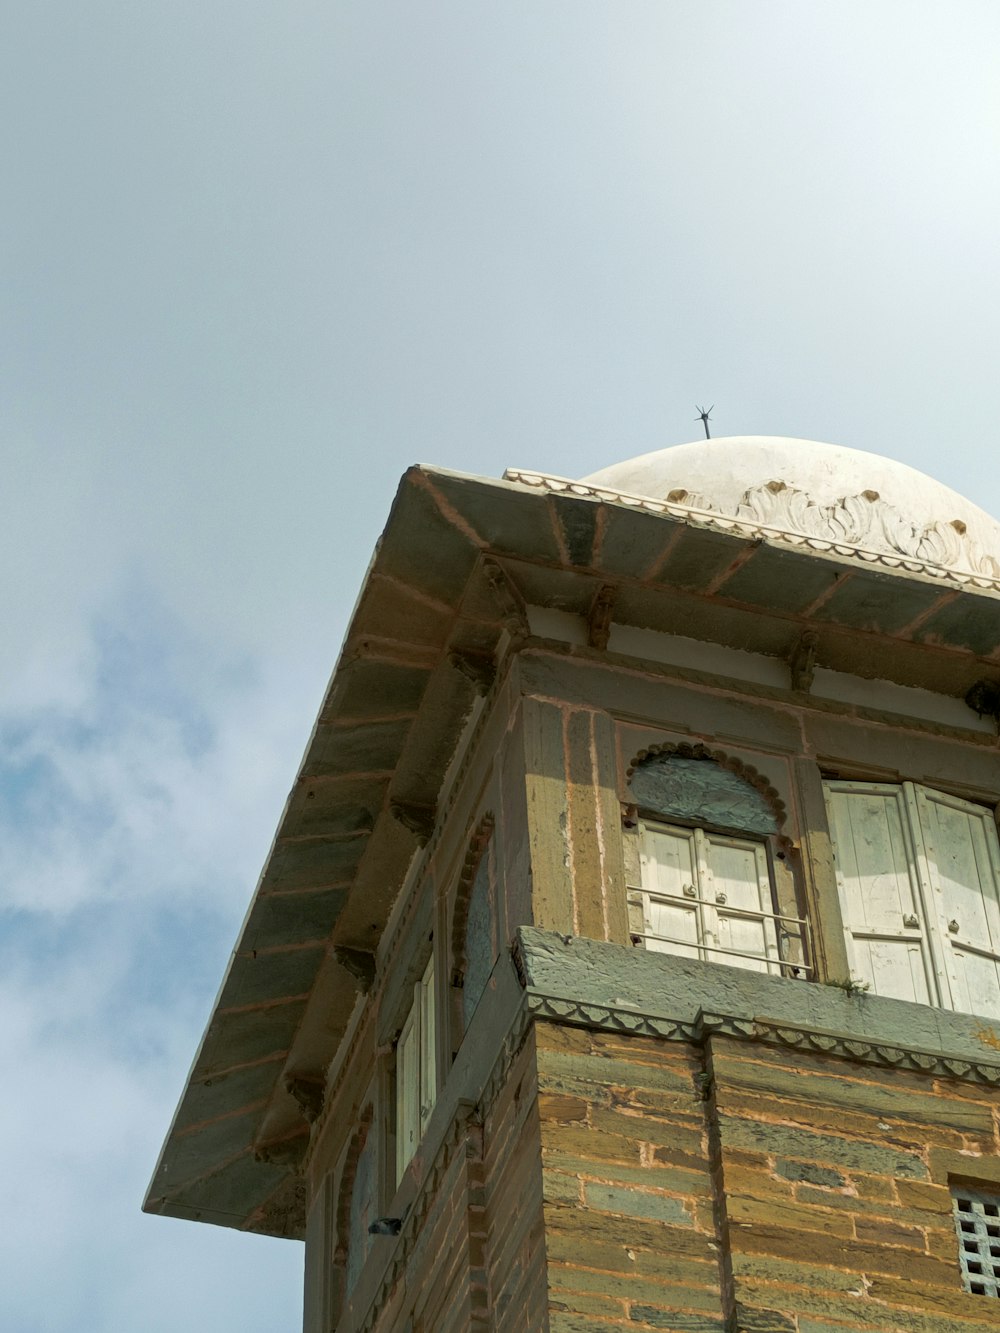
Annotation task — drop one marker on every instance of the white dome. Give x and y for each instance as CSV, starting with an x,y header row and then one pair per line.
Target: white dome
x,y
853,499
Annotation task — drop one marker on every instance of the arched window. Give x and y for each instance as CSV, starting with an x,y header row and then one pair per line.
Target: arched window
x,y
475,925
357,1203
713,880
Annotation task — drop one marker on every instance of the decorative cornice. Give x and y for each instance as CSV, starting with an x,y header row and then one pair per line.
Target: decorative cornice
x,y
769,1031
581,1013
862,526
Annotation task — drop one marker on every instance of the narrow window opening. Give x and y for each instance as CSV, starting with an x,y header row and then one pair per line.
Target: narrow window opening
x,y
416,1070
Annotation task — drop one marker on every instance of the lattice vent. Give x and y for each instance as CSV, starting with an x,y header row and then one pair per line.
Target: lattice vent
x,y
977,1220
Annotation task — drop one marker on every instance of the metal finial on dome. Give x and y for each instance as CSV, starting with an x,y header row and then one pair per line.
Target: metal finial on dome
x,y
703,416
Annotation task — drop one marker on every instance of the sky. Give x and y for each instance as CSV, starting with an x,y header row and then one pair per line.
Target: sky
x,y
258,258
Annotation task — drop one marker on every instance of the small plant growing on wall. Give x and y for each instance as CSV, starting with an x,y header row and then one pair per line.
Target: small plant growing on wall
x,y
849,985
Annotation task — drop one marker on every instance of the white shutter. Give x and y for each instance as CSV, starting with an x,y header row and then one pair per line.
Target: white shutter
x,y
963,860
428,1044
885,920
407,1093
736,884
708,896
670,893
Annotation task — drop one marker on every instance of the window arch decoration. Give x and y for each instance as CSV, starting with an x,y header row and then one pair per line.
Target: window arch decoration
x,y
473,912
357,1178
710,876
703,786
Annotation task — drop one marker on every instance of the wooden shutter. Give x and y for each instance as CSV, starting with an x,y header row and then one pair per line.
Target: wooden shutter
x,y
708,895
669,882
407,1093
963,863
427,1011
736,884
885,920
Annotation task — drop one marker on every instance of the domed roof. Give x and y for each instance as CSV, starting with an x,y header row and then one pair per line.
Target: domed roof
x,y
844,499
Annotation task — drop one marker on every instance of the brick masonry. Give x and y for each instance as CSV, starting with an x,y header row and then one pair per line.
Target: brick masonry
x,y
746,1189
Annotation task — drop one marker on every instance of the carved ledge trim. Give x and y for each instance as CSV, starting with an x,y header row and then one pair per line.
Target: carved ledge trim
x,y
862,526
580,1013
888,1055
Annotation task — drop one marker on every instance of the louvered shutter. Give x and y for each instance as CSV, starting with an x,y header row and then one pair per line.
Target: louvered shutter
x,y
963,861
885,921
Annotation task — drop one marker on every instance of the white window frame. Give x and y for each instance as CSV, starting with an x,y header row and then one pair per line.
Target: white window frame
x,y
711,917
416,1069
933,919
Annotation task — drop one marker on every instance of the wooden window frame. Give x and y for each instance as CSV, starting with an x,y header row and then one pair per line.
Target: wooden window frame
x,y
415,1081
928,929
710,908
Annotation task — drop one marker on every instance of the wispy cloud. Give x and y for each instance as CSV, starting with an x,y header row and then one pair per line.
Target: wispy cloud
x,y
132,827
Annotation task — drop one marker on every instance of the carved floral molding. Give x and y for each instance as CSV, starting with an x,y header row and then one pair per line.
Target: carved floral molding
x,y
863,525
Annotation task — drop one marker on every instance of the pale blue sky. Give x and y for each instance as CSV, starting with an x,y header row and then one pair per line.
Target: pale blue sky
x,y
255,259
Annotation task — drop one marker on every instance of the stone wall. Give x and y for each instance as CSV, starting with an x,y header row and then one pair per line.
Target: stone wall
x,y
631,1230
837,1200
742,1188
515,1241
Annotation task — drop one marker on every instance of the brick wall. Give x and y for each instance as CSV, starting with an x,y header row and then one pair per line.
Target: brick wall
x,y
630,1224
515,1243
836,1185
750,1189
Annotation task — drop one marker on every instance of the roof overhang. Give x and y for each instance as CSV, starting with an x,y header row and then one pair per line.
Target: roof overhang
x,y
442,601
